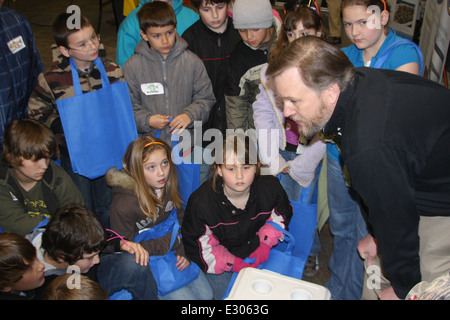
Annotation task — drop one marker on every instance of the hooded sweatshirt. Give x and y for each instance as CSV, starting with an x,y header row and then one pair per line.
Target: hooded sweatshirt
x,y
184,86
128,35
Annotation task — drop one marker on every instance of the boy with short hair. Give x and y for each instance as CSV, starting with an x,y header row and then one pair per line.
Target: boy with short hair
x,y
213,38
76,240
166,79
83,46
128,36
258,29
32,186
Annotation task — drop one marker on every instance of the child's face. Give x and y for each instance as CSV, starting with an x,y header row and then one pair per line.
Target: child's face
x,y
360,27
88,261
32,278
301,31
254,37
83,46
237,177
160,39
214,15
157,169
31,170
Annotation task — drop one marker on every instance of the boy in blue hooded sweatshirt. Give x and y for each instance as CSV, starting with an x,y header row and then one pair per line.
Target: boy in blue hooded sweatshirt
x,y
128,35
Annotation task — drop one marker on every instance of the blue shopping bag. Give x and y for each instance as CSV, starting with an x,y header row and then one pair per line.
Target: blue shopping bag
x,y
98,125
303,223
188,172
167,276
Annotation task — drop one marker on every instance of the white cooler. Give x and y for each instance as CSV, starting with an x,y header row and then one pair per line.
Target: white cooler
x,y
256,284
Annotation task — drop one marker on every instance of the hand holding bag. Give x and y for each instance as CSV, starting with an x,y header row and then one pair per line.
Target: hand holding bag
x,y
98,125
164,269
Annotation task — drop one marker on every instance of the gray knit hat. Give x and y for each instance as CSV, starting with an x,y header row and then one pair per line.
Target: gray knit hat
x,y
252,14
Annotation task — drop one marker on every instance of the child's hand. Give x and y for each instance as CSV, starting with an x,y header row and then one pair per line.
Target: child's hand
x,y
182,263
158,121
179,123
142,255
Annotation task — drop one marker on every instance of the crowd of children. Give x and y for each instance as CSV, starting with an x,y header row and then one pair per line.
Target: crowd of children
x,y
67,237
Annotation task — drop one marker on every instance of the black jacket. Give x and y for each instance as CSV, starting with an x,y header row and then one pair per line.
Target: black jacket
x,y
394,129
213,228
214,49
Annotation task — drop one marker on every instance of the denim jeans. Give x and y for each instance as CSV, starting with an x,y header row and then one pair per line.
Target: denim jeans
x,y
219,283
119,271
199,289
96,193
348,228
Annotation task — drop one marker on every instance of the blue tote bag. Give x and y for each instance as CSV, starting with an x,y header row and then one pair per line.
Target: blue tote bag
x,y
98,125
303,223
188,172
167,276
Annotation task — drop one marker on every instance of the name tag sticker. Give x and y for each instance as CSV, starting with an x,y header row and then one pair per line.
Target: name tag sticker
x,y
16,44
152,88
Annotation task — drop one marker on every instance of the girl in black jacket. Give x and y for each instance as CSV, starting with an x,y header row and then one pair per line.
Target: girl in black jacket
x,y
225,219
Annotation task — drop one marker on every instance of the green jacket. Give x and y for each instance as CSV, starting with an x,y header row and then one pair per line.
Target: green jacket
x,y
22,211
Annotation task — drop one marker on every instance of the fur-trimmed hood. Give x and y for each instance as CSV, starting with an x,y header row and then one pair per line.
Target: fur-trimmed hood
x,y
119,178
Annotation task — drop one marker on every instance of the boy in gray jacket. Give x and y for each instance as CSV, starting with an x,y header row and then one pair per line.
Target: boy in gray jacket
x,y
165,79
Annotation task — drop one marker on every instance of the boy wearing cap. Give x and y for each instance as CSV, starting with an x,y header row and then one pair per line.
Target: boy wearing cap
x,y
258,29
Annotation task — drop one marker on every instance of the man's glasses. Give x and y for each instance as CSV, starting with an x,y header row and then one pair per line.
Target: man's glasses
x,y
86,46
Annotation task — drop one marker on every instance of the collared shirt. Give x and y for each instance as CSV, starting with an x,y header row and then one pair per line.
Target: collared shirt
x,y
20,65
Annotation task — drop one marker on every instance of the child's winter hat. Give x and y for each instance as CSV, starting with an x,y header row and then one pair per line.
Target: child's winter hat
x,y
252,14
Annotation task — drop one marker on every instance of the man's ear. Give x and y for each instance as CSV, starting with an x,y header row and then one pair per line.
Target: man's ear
x,y
331,94
64,51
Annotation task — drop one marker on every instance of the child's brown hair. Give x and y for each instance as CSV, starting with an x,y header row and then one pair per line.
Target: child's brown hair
x,y
73,231
156,14
309,18
198,3
16,257
58,289
61,31
28,139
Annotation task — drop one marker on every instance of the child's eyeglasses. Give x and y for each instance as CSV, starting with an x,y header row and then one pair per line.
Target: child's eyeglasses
x,y
86,46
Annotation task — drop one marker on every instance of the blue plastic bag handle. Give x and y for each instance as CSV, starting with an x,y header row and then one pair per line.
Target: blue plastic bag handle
x,y
76,80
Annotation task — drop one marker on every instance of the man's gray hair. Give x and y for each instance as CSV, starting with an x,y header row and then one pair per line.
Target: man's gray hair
x,y
320,63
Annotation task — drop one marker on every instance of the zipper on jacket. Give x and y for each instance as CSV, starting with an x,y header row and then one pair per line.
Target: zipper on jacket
x,y
166,95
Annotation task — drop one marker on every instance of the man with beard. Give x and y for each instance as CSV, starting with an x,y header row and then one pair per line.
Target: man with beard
x,y
393,131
